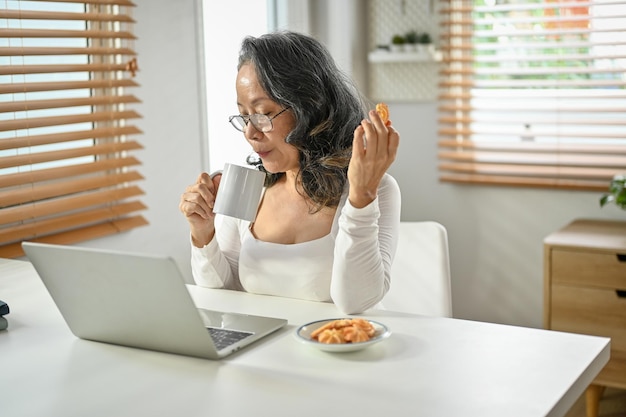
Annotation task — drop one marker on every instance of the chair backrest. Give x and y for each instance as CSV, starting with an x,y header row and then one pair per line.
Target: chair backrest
x,y
420,273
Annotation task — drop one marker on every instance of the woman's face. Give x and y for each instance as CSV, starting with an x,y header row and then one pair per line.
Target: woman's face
x,y
276,154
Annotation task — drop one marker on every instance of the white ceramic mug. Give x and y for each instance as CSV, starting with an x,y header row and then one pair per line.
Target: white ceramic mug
x,y
239,192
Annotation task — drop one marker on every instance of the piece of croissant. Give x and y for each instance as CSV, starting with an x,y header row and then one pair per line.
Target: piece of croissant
x,y
364,325
335,324
344,331
331,336
355,334
383,111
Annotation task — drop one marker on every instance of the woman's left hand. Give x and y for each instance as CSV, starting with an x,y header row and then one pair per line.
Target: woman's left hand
x,y
374,149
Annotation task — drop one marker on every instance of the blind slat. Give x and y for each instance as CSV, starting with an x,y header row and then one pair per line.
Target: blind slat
x,y
51,15
14,250
37,158
13,106
529,45
21,178
54,33
127,3
26,231
98,133
56,50
66,120
41,192
533,120
533,182
535,147
523,70
45,69
65,85
544,107
469,7
528,84
48,208
454,96
66,102
561,160
522,170
536,135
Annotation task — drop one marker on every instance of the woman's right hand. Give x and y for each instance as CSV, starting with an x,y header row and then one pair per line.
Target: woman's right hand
x,y
196,204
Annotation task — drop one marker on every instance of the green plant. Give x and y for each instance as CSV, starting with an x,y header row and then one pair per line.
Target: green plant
x,y
398,40
616,194
425,39
412,37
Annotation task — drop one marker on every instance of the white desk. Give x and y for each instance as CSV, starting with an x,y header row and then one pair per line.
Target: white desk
x,y
428,367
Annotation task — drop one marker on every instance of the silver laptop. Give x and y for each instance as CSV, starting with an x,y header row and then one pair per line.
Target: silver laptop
x,y
139,301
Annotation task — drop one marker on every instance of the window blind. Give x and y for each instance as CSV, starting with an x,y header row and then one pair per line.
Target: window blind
x,y
533,92
67,173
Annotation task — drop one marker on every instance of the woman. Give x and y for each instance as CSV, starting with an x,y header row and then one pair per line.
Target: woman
x,y
326,227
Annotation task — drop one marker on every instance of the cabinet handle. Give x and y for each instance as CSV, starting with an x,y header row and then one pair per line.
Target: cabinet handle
x,y
621,257
621,293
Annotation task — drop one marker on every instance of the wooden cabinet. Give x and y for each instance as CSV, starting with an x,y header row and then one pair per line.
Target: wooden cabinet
x,y
585,291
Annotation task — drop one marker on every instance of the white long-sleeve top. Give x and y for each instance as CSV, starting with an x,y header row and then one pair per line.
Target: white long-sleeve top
x,y
351,266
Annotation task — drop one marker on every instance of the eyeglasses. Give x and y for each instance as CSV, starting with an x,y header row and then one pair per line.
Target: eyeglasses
x,y
261,122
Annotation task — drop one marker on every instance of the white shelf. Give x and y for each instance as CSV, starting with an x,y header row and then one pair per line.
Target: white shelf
x,y
382,56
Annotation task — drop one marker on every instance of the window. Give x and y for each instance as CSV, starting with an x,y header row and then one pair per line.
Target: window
x,y
221,45
533,92
65,126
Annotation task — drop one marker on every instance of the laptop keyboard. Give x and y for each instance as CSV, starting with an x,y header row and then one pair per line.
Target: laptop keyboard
x,y
226,337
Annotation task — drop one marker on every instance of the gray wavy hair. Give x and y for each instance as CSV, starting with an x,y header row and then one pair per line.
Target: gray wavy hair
x,y
298,72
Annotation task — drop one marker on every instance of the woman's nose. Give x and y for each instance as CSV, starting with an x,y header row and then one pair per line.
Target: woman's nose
x,y
251,132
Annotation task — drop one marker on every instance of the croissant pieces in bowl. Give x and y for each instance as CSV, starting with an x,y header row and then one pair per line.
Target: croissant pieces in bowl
x,y
344,331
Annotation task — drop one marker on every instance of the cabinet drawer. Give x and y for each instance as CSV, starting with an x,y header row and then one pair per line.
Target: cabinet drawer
x,y
601,269
594,311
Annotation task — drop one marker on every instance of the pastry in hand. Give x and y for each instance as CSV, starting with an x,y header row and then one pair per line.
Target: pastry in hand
x,y
383,111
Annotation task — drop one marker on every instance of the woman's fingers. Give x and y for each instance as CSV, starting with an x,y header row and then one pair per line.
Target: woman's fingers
x,y
374,149
199,198
381,141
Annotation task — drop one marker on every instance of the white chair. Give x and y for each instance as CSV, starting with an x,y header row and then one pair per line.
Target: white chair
x,y
420,273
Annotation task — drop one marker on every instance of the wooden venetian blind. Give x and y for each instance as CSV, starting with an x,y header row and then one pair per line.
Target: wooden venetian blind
x,y
533,92
66,132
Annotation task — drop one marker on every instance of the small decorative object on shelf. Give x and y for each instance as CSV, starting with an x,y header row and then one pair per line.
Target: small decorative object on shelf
x,y
425,42
412,39
397,43
425,39
411,47
421,55
616,194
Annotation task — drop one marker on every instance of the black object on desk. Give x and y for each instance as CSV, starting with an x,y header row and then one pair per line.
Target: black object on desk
x,y
4,309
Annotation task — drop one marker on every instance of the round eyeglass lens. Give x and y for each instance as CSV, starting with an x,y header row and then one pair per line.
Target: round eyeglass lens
x,y
261,122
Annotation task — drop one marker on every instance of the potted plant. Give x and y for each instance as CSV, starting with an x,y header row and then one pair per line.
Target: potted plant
x,y
412,39
397,43
424,41
616,194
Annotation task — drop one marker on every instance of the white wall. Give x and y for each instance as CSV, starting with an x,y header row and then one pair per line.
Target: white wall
x,y
225,143
495,233
174,140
